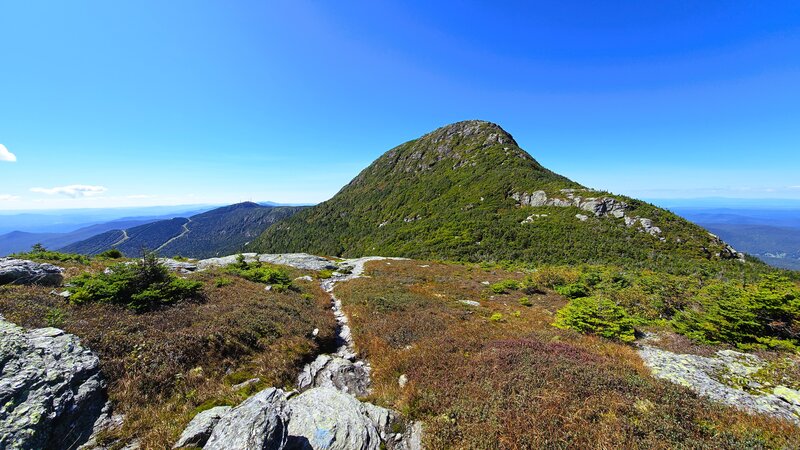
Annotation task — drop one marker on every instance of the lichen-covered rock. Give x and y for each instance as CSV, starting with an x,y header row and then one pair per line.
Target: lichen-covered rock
x,y
199,429
337,372
296,260
178,266
326,418
22,271
257,423
707,377
51,389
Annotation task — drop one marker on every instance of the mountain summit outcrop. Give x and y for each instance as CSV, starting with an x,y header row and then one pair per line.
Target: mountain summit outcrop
x,y
467,191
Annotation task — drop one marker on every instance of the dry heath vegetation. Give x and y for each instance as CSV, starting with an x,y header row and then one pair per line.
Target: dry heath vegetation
x,y
167,363
500,375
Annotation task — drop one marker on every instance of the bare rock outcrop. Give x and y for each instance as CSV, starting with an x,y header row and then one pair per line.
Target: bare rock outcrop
x,y
296,260
51,389
335,371
257,423
22,271
199,429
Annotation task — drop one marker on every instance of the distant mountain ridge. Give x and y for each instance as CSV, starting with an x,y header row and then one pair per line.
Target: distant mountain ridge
x,y
467,191
20,241
221,231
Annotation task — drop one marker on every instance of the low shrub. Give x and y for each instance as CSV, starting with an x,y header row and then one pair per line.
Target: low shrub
x,y
140,286
573,290
762,315
552,276
54,317
525,301
595,315
222,282
111,254
260,273
39,252
502,287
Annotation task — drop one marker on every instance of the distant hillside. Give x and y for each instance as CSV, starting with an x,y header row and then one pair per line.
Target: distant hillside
x,y
777,246
20,241
69,220
467,191
770,234
221,231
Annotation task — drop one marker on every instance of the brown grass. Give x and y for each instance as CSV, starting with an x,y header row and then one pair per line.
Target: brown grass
x,y
166,365
518,382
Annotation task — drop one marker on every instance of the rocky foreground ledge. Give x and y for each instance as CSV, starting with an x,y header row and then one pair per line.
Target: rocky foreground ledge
x,y
22,271
51,390
319,418
729,377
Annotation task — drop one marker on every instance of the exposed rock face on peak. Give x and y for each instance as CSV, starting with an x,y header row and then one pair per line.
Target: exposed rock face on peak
x,y
457,146
51,390
599,206
22,271
464,192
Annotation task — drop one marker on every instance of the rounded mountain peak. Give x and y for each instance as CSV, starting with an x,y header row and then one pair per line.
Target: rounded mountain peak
x,y
478,131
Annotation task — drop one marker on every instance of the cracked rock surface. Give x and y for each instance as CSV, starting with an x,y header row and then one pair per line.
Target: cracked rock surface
x,y
51,390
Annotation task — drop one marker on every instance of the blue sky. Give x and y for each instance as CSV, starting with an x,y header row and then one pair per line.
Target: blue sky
x,y
152,102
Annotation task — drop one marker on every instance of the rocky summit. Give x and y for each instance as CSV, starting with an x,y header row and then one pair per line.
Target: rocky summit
x,y
467,191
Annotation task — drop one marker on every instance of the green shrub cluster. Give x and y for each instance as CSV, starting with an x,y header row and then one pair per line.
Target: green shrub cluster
x,y
142,285
761,315
749,310
222,282
502,287
573,290
39,252
111,254
597,315
261,273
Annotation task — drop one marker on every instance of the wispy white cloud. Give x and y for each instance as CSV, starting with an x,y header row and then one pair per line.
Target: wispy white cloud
x,y
6,155
73,190
8,198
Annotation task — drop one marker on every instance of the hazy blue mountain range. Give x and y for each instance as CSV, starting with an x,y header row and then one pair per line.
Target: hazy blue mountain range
x,y
771,234
19,241
69,220
221,231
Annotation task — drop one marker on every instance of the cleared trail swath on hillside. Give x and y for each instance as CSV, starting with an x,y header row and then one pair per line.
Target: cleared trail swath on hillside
x,y
125,237
184,233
